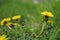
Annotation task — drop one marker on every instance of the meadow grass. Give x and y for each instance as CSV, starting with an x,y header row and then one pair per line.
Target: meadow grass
x,y
31,15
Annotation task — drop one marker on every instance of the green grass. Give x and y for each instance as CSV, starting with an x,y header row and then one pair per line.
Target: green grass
x,y
33,19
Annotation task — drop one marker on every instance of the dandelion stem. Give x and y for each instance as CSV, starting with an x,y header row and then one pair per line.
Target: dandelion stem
x,y
42,29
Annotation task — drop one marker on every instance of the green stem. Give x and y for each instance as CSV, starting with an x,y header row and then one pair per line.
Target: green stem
x,y
42,29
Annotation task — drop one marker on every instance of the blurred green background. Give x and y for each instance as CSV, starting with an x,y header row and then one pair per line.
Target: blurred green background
x,y
9,8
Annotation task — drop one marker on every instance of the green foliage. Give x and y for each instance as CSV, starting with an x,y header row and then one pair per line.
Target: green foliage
x,y
33,28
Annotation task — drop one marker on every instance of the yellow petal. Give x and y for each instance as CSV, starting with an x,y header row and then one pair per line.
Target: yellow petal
x,y
49,14
16,17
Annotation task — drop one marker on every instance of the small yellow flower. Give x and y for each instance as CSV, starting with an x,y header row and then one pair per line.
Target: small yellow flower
x,y
3,37
16,18
48,14
10,25
49,21
4,21
8,19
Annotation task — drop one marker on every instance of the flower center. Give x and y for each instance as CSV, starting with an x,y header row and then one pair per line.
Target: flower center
x,y
11,25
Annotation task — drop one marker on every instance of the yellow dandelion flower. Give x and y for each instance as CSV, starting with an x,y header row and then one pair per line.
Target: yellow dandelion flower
x,y
16,18
4,21
8,19
10,25
3,37
48,14
49,21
